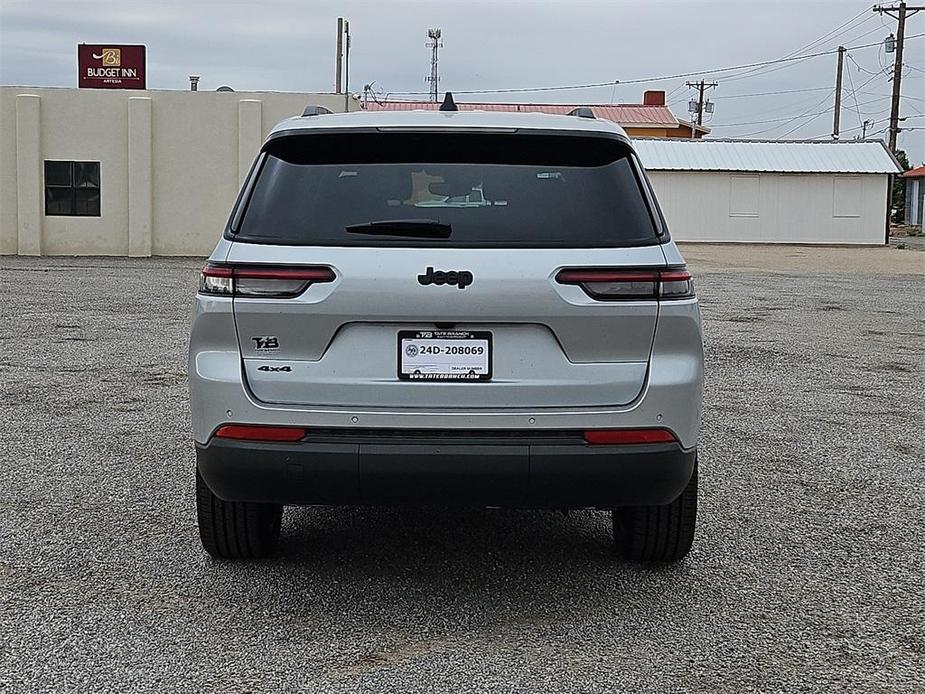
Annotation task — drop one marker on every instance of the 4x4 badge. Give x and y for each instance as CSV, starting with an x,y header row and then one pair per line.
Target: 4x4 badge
x,y
461,278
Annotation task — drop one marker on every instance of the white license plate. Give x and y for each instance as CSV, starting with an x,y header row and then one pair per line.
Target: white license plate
x,y
444,355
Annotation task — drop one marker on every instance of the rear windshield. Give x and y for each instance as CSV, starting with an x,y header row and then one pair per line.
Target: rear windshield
x,y
482,190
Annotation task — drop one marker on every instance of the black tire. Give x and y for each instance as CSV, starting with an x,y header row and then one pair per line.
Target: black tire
x,y
235,529
658,533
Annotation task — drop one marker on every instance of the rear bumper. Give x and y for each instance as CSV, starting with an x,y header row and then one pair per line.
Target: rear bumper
x,y
546,472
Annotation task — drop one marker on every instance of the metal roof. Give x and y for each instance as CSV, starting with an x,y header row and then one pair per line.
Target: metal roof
x,y
915,173
765,156
446,120
639,115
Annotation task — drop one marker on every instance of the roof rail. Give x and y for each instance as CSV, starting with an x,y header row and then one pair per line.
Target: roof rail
x,y
315,110
448,103
582,112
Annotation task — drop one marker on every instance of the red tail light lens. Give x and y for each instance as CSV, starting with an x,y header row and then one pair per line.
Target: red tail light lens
x,y
248,432
610,284
261,282
628,436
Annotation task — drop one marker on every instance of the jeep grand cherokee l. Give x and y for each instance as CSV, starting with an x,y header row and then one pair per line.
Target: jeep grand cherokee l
x,y
445,307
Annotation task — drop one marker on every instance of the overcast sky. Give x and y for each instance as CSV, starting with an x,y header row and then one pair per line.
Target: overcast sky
x,y
289,46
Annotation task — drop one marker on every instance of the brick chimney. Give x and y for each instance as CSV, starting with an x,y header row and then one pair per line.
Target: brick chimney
x,y
654,98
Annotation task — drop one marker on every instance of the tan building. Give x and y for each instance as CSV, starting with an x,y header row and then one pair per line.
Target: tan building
x,y
129,172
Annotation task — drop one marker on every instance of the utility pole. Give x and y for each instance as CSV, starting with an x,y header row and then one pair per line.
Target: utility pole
x,y
899,13
837,117
338,60
434,44
346,66
701,87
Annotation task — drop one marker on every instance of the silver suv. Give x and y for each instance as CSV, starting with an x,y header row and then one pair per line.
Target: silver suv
x,y
445,307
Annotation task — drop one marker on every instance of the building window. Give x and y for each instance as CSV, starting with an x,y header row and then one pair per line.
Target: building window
x,y
744,191
72,188
847,197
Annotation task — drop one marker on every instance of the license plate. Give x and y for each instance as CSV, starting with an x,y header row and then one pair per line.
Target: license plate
x,y
444,355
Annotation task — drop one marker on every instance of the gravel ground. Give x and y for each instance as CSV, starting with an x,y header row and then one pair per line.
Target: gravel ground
x,y
806,574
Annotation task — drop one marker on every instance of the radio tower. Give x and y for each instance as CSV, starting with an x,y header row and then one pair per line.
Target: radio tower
x,y
434,44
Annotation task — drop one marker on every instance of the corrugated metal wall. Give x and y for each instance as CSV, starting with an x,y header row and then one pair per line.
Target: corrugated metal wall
x,y
773,208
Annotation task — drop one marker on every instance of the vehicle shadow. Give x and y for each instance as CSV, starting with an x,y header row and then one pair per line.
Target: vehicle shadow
x,y
431,567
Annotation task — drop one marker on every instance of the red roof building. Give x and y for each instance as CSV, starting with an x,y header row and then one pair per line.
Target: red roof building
x,y
652,118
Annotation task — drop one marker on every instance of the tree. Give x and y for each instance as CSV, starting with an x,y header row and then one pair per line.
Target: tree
x,y
899,189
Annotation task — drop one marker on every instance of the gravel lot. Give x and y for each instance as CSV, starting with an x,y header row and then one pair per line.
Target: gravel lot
x,y
806,574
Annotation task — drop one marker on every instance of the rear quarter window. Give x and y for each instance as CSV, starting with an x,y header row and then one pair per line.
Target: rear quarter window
x,y
492,190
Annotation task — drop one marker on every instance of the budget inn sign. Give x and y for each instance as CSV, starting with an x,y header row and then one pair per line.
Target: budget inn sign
x,y
107,66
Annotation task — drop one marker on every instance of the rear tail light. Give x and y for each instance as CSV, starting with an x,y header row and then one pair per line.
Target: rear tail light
x,y
675,284
609,284
628,436
250,432
261,282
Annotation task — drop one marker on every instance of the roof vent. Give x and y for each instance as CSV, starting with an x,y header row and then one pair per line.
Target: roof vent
x,y
313,110
448,103
582,112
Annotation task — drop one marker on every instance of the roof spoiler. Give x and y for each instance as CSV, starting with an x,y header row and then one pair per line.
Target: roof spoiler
x,y
315,110
582,112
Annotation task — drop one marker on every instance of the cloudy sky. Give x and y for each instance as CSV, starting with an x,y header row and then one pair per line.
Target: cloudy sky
x,y
289,46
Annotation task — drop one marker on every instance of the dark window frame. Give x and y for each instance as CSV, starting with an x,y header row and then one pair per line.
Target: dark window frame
x,y
74,209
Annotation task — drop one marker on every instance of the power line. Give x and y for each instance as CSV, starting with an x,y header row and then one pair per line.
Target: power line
x,y
789,120
863,69
657,78
764,62
792,118
828,110
841,29
835,33
779,91
854,93
811,114
822,38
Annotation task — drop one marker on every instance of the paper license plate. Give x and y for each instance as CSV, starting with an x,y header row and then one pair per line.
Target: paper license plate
x,y
444,355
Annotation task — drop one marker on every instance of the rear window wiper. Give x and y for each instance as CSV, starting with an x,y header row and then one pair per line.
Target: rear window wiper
x,y
417,228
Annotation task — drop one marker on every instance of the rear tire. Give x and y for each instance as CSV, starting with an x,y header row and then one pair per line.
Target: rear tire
x,y
658,533
235,529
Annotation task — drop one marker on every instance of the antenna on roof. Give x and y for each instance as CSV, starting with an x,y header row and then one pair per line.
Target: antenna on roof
x,y
314,110
582,112
448,103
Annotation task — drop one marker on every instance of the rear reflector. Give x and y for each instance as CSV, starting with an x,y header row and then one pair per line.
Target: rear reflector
x,y
614,284
261,281
247,432
628,436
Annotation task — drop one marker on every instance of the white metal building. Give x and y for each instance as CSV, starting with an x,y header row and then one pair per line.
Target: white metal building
x,y
771,192
130,172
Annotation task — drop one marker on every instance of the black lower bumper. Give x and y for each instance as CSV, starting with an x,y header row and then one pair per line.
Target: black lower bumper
x,y
486,471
